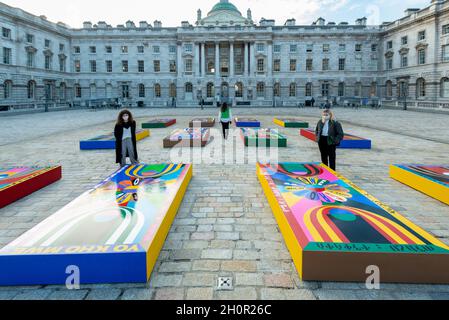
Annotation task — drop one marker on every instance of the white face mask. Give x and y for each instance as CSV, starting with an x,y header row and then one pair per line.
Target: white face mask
x,y
326,118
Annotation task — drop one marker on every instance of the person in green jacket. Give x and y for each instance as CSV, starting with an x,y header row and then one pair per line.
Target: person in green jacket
x,y
329,134
225,117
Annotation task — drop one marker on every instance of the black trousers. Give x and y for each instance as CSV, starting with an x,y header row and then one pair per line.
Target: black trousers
x,y
328,153
225,126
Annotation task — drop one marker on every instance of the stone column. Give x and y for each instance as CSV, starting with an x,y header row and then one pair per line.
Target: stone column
x,y
231,53
246,60
197,59
252,59
270,59
180,64
217,60
203,59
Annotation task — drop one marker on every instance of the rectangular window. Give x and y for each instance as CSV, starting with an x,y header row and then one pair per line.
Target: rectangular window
x,y
93,49
422,56
404,61
309,64
445,53
341,64
7,55
404,40
93,66
342,48
6,33
47,43
358,47
125,91
141,91
125,66
140,49
61,47
326,48
30,38
172,65
189,65
293,48
62,64
30,59
108,49
277,48
156,49
77,66
325,64
260,47
389,64
188,48
309,48
109,66
277,65
389,45
124,49
446,29
157,65
260,65
325,89
172,49
78,91
77,50
422,35
374,48
47,62
293,65
141,66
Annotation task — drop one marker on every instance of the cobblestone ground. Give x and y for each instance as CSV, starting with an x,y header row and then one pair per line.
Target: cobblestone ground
x,y
225,226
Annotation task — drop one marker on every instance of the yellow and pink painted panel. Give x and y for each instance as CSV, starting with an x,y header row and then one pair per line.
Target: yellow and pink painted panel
x,y
336,231
113,233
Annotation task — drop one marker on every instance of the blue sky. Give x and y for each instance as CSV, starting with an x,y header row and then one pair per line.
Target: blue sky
x,y
172,12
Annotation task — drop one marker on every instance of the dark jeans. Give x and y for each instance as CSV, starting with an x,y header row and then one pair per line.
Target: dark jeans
x,y
225,126
328,153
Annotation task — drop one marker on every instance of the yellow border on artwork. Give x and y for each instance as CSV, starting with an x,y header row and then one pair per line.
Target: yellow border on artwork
x,y
433,240
44,170
142,134
296,251
279,122
161,235
426,186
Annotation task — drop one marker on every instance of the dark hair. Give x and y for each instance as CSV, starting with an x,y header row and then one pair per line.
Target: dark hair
x,y
120,121
224,107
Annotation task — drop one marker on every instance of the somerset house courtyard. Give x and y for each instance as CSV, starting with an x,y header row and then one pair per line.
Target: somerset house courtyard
x,y
238,151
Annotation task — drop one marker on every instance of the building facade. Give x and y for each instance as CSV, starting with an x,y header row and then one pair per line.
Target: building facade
x,y
226,53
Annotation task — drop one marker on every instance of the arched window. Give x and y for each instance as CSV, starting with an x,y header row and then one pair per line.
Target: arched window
x,y
420,88
373,89
173,90
210,90
261,90
189,87
444,88
239,90
141,90
389,89
31,89
62,91
341,89
292,89
308,89
78,93
7,89
277,89
157,90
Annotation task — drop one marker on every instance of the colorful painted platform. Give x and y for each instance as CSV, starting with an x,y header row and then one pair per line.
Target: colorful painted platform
x,y
189,137
158,123
202,122
263,138
335,231
108,141
430,180
112,233
19,182
247,123
349,141
291,123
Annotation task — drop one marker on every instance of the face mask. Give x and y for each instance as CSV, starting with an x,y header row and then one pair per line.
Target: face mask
x,y
326,118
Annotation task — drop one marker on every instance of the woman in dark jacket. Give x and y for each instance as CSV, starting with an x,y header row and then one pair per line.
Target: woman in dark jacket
x,y
125,139
329,134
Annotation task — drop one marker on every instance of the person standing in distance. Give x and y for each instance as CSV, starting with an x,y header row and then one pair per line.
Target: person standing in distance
x,y
125,138
329,134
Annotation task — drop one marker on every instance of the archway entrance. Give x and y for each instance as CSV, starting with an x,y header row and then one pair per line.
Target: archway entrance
x,y
225,90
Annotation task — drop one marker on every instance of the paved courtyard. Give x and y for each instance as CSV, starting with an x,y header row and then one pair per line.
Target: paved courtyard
x,y
225,226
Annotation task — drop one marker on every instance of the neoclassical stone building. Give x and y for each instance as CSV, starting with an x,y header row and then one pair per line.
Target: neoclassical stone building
x,y
225,52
